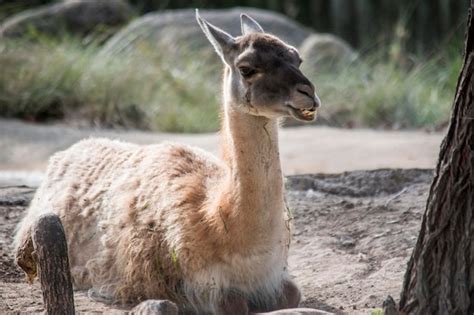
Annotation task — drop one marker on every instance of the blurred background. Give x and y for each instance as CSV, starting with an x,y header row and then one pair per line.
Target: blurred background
x,y
142,71
145,65
376,63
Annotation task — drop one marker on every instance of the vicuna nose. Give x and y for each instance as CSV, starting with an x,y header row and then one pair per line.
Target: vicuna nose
x,y
308,90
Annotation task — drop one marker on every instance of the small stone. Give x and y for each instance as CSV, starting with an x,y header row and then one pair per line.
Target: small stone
x,y
349,205
347,241
155,307
296,311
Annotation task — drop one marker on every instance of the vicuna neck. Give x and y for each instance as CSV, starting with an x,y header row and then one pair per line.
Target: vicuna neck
x,y
250,150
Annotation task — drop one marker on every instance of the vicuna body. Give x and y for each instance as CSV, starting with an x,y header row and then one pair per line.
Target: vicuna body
x,y
169,221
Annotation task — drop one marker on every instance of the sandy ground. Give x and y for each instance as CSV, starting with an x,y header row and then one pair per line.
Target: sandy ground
x,y
353,234
25,148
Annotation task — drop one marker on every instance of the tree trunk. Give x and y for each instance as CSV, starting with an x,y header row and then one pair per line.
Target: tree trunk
x,y
44,252
440,274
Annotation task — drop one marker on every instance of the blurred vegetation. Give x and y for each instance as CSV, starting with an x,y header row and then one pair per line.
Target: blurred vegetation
x,y
67,78
380,93
392,86
52,79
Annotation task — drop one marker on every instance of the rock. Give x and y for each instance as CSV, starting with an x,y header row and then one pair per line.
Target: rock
x,y
155,307
176,31
347,241
296,311
16,195
325,52
78,17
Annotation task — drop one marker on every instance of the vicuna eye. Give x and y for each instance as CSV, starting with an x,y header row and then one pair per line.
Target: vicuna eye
x,y
247,72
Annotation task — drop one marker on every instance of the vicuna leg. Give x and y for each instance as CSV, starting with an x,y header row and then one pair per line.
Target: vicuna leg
x,y
290,295
233,303
43,251
24,256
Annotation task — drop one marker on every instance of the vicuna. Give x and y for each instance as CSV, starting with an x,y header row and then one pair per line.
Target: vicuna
x,y
173,222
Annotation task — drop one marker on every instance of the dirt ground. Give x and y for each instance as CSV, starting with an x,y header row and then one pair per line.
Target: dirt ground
x,y
26,147
353,234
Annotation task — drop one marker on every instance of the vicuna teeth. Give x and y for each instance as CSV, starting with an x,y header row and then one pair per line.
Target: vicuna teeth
x,y
307,111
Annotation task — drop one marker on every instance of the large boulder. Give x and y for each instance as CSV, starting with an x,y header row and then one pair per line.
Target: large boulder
x,y
176,31
76,16
325,52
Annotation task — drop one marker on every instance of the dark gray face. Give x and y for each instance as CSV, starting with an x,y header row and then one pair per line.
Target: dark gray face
x,y
267,78
263,76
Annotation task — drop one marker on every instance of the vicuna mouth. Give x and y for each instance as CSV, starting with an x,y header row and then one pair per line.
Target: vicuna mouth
x,y
303,114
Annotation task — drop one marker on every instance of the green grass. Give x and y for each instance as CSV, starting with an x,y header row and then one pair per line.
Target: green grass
x,y
381,93
67,79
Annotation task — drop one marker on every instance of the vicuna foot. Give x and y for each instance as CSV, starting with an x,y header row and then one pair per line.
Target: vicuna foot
x,y
290,295
233,303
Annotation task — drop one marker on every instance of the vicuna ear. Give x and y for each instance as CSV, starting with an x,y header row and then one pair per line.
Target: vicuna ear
x,y
223,42
249,25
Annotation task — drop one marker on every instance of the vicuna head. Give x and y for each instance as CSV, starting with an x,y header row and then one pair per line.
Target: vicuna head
x,y
262,74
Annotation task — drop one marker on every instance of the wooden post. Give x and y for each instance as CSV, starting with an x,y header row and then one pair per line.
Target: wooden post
x,y
44,252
